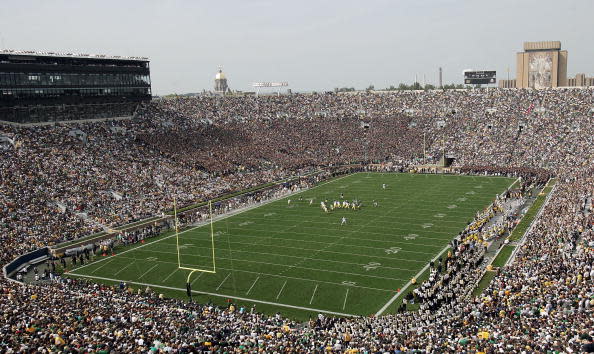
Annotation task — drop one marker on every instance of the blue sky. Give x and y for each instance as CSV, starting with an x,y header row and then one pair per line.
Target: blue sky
x,y
314,45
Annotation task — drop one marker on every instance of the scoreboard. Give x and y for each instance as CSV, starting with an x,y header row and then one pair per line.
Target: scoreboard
x,y
479,77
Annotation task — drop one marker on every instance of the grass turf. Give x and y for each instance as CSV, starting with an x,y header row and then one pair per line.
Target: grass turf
x,y
503,256
298,260
526,221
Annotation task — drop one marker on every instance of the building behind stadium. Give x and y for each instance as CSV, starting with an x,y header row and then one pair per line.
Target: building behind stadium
x,y
544,65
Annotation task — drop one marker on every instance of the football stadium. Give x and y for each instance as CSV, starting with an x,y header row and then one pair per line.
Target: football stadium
x,y
446,218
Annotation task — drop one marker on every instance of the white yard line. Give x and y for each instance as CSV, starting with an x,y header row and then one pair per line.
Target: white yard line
x,y
222,295
251,287
272,275
314,293
302,257
169,276
198,277
281,289
151,268
218,287
309,234
345,299
106,263
276,265
122,269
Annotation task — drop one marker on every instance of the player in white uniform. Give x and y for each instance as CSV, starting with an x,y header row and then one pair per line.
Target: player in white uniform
x,y
343,221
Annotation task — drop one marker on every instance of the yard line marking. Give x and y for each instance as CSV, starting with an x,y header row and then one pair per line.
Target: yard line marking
x,y
281,290
216,218
302,257
175,270
314,293
197,278
122,269
345,298
248,292
218,287
301,267
381,250
222,295
272,275
145,273
309,234
106,263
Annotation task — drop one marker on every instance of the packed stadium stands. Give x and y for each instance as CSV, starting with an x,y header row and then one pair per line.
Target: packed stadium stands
x,y
68,180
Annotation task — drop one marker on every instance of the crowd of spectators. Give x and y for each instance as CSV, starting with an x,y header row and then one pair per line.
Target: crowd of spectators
x,y
64,181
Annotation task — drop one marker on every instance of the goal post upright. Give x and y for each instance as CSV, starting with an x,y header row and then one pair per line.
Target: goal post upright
x,y
193,270
176,232
214,266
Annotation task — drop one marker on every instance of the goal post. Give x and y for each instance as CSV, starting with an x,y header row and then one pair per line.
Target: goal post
x,y
179,254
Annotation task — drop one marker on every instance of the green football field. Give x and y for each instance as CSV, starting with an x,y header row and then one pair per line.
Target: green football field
x,y
296,259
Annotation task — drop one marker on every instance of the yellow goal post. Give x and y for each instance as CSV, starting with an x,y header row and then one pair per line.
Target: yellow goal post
x,y
179,264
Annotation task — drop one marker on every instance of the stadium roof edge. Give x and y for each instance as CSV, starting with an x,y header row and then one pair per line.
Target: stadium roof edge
x,y
68,55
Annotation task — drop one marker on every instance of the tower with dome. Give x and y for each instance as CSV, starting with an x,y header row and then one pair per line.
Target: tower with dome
x,y
220,84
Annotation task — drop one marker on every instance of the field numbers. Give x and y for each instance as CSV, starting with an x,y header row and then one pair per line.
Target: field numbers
x,y
151,259
246,223
349,283
371,265
427,225
478,187
269,214
439,215
471,192
461,199
393,250
411,237
452,206
219,233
